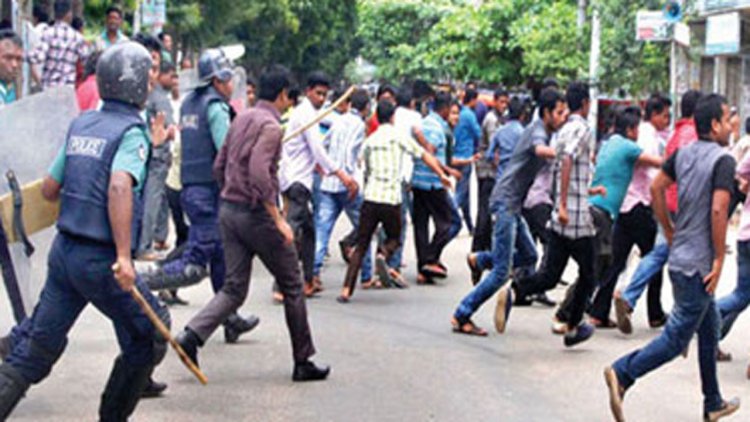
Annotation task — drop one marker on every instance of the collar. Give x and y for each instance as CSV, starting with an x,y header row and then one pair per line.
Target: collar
x,y
267,106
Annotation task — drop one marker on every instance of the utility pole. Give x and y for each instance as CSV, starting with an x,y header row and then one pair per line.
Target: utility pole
x,y
594,69
581,14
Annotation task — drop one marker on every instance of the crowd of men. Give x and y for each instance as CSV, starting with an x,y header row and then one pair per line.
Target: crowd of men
x,y
272,180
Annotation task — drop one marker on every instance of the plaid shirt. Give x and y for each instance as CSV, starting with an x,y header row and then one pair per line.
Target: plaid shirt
x,y
384,156
59,50
574,141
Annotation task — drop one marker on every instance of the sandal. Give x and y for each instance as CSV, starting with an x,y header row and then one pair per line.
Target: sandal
x,y
373,284
468,328
433,270
424,280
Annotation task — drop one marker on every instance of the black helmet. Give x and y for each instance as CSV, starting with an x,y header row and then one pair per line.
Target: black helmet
x,y
213,63
122,73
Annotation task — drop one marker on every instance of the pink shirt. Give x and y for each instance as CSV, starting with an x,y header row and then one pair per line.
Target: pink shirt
x,y
88,94
639,190
743,171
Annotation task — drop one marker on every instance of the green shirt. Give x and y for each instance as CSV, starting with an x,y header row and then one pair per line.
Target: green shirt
x,y
131,157
218,122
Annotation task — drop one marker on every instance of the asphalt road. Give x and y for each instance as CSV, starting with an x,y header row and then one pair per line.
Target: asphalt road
x,y
394,358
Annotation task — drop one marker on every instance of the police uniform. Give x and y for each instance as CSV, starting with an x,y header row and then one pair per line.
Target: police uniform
x,y
204,124
98,144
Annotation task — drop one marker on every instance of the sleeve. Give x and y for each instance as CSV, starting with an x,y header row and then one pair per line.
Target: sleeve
x,y
633,152
315,143
476,128
218,122
83,49
220,163
410,146
262,160
669,166
131,156
40,52
57,169
490,154
356,147
723,174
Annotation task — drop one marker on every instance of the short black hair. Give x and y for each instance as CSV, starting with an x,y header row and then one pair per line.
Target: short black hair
x,y
90,67
577,93
113,8
318,79
360,99
708,109
689,100
517,108
627,117
338,93
272,82
550,83
385,88
149,41
386,109
62,8
251,81
78,23
548,100
501,92
404,97
12,36
442,100
422,89
40,14
470,95
162,35
656,104
166,67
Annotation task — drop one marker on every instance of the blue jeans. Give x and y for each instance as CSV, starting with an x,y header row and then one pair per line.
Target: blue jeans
x,y
330,207
512,244
204,247
79,272
462,197
732,305
651,264
694,311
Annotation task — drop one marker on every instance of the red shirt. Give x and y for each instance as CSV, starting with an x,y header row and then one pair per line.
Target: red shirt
x,y
88,94
372,124
684,134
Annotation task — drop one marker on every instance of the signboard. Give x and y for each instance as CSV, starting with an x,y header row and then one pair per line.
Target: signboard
x,y
153,13
714,5
723,34
682,34
652,26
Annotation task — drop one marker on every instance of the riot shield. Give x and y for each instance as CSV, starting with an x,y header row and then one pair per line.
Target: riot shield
x,y
239,94
34,129
188,81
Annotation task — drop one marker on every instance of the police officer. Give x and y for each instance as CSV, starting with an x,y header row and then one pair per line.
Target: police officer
x,y
98,175
205,118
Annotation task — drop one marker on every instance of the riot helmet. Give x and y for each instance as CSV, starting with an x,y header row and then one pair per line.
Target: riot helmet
x,y
122,73
213,63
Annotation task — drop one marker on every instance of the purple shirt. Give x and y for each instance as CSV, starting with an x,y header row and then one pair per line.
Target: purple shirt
x,y
247,164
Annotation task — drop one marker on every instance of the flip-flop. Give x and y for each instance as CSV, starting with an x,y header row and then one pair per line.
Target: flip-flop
x,y
458,328
342,299
373,285
433,271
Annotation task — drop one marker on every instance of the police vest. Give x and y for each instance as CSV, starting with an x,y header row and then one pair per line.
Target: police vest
x,y
198,148
93,139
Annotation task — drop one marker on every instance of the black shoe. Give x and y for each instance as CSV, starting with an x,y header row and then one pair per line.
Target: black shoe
x,y
235,326
5,347
153,389
544,300
189,341
308,371
520,300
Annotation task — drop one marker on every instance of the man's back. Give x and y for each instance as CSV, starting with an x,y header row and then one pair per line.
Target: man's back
x,y
344,140
59,51
614,171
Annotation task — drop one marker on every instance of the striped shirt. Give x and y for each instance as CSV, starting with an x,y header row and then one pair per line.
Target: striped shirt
x,y
433,127
574,141
60,49
344,141
384,156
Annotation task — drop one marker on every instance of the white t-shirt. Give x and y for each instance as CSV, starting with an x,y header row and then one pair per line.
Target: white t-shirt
x,y
406,120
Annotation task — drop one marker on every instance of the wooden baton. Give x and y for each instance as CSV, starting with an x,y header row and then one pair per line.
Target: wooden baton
x,y
320,116
164,331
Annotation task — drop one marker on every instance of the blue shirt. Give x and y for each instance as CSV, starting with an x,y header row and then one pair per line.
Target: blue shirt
x,y
434,132
467,134
614,170
504,142
131,157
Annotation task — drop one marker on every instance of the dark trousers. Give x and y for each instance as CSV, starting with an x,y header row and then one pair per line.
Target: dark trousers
x,y
483,228
371,215
537,218
302,220
558,251
636,227
431,204
178,216
248,232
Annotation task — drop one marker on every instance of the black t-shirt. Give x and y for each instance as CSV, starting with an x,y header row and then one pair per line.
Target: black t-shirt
x,y
723,174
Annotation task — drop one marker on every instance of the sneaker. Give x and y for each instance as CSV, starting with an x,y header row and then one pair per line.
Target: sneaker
x,y
583,332
726,409
623,313
502,311
616,394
